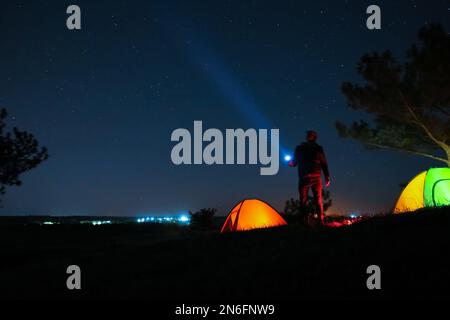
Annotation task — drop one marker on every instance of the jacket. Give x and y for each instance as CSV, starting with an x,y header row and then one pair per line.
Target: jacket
x,y
310,159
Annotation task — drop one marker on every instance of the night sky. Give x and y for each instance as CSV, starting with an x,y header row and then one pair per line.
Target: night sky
x,y
105,99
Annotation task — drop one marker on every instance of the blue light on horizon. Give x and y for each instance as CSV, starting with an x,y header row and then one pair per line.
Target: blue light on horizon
x,y
182,219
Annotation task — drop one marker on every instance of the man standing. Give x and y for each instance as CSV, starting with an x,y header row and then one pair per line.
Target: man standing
x,y
310,160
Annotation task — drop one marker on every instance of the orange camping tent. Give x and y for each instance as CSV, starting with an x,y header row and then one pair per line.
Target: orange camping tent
x,y
252,214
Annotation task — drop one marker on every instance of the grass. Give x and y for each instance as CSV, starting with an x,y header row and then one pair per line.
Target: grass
x,y
172,262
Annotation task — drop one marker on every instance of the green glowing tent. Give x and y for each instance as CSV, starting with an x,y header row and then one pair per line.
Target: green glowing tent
x,y
430,188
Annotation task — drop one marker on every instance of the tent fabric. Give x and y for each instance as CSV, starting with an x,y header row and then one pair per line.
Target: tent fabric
x,y
252,214
430,188
412,196
437,187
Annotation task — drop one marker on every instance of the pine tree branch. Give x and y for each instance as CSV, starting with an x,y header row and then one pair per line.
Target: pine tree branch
x,y
409,151
420,124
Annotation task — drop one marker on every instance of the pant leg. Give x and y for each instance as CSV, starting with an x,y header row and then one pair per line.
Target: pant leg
x,y
317,195
303,188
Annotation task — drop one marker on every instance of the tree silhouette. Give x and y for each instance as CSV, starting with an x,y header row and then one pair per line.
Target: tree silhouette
x,y
410,102
19,152
293,207
203,219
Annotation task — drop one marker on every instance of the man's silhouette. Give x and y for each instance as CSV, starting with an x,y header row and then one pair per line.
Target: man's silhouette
x,y
310,160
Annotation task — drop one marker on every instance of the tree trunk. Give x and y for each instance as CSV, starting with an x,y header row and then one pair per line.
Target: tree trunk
x,y
446,148
447,151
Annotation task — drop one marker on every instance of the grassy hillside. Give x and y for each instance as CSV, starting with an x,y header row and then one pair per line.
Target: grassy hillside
x,y
170,262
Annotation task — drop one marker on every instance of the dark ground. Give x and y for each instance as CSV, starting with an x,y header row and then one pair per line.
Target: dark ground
x,y
173,262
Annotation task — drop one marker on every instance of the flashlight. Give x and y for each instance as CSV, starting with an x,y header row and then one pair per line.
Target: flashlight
x,y
287,158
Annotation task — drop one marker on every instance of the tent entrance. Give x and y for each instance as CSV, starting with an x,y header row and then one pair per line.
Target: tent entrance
x,y
441,192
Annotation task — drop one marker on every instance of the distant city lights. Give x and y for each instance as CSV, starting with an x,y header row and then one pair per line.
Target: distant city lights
x,y
98,223
184,219
181,219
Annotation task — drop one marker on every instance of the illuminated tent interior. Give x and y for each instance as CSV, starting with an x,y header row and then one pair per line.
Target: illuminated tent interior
x,y
252,214
430,188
